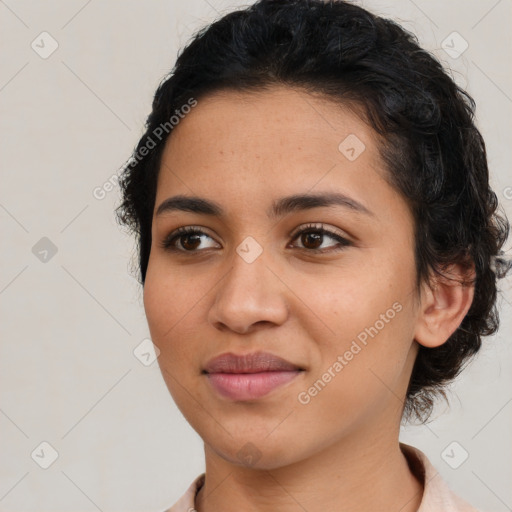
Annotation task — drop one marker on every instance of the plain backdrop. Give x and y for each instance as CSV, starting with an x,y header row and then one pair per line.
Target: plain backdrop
x,y
72,320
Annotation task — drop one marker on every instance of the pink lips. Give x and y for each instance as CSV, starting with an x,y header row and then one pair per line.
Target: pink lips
x,y
249,377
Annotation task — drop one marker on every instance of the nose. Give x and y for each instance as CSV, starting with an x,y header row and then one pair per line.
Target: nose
x,y
250,296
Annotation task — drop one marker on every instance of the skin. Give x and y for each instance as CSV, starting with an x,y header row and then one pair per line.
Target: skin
x,y
341,450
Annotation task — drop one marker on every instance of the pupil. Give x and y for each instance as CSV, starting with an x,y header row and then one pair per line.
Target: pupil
x,y
316,237
188,237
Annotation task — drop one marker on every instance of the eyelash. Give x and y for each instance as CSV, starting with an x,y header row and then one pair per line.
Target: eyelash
x,y
168,242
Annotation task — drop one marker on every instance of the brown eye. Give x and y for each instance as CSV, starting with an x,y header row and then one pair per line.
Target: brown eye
x,y
191,241
312,238
188,238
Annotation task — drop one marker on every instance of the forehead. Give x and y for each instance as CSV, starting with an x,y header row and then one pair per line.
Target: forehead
x,y
292,119
247,147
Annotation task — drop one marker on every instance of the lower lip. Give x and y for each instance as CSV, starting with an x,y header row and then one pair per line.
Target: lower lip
x,y
249,386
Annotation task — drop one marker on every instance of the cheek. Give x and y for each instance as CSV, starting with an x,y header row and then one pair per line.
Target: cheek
x,y
174,308
370,297
370,316
164,312
157,306
167,299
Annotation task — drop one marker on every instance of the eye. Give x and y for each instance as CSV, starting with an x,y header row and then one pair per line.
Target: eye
x,y
312,237
189,237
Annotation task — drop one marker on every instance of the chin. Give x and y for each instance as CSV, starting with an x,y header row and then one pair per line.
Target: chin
x,y
257,453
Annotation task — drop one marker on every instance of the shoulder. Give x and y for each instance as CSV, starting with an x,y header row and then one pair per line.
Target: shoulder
x,y
186,502
437,496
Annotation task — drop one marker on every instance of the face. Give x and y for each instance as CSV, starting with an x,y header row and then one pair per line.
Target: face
x,y
326,286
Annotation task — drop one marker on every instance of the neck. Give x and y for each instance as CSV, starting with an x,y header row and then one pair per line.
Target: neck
x,y
351,475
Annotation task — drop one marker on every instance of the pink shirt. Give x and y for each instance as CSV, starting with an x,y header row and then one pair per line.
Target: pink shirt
x,y
437,497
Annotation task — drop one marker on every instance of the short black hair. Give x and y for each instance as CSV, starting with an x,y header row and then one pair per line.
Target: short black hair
x,y
434,154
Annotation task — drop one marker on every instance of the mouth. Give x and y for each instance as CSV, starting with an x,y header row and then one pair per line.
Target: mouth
x,y
250,376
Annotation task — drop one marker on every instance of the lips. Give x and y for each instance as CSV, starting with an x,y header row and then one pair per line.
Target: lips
x,y
249,363
250,376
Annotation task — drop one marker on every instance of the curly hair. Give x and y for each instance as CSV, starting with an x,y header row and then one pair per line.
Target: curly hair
x,y
435,156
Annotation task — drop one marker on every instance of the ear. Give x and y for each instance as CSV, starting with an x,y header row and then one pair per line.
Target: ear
x,y
444,304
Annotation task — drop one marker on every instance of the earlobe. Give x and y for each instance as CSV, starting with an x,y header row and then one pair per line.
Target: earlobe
x,y
444,304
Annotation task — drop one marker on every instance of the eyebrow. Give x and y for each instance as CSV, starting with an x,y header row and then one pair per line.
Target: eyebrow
x,y
279,208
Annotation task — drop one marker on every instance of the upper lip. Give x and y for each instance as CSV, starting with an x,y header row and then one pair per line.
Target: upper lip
x,y
249,363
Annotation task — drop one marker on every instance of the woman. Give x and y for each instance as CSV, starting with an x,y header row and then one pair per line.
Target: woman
x,y
319,249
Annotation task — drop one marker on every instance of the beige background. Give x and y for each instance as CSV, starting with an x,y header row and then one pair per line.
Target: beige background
x,y
69,326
